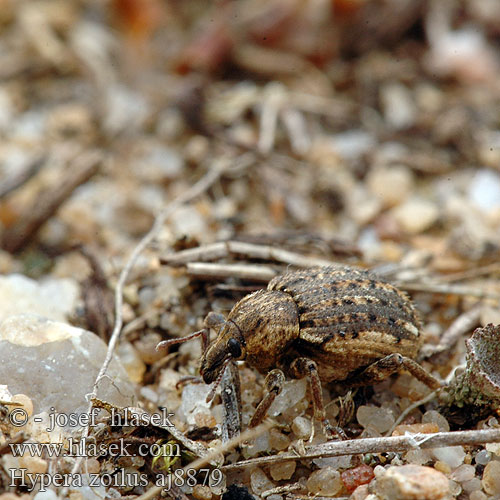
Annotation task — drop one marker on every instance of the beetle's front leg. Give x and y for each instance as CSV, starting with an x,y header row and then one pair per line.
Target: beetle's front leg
x,y
273,384
383,368
305,367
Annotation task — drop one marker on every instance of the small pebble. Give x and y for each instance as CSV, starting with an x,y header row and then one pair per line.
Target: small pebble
x,y
452,455
477,495
491,478
379,419
398,105
410,482
46,495
352,478
259,482
442,467
278,440
436,417
201,492
416,215
483,457
325,482
455,488
341,462
390,184
282,470
302,427
293,391
360,493
463,473
471,485
418,456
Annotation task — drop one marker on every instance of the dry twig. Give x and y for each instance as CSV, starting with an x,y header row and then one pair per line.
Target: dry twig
x,y
48,202
250,272
241,249
463,324
377,445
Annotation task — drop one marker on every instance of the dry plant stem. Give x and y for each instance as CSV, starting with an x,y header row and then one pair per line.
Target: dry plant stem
x,y
463,324
239,248
250,272
198,188
12,183
48,202
447,289
377,445
287,488
472,273
212,455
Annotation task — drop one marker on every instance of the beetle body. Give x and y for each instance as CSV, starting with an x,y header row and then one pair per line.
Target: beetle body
x,y
344,319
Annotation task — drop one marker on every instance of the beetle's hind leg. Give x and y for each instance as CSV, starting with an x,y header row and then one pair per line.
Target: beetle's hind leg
x,y
393,363
305,367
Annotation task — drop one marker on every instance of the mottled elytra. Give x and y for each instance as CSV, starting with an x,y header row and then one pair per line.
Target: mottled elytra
x,y
327,324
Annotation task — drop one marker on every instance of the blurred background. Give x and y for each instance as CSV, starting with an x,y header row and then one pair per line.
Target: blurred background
x,y
370,122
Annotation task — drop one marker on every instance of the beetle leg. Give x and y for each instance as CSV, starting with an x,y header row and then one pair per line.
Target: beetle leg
x,y
305,367
165,344
383,368
273,383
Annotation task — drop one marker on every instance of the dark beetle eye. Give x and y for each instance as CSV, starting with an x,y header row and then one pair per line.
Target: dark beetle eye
x,y
234,348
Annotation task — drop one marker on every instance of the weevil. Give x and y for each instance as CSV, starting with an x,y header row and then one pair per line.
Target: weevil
x,y
327,324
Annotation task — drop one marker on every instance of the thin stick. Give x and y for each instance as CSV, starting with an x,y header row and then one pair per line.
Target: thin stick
x,y
48,201
222,249
212,455
377,445
463,324
12,183
250,272
447,289
198,188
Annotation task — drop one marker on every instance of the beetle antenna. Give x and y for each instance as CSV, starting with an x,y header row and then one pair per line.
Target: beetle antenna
x,y
165,344
211,394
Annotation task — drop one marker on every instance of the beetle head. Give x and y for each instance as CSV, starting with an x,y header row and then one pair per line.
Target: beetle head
x,y
258,329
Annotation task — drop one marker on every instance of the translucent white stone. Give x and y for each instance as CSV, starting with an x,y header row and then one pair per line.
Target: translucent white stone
x,y
293,392
379,419
472,485
477,495
283,470
483,457
194,400
259,482
491,478
342,462
463,473
325,482
435,417
451,455
56,364
46,495
302,427
52,298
